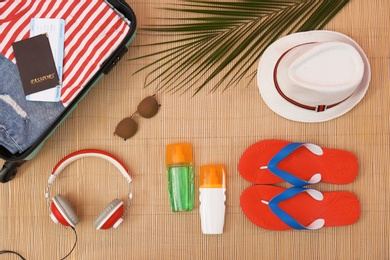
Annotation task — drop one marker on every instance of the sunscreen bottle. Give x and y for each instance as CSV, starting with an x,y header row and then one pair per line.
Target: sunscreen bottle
x,y
212,188
180,176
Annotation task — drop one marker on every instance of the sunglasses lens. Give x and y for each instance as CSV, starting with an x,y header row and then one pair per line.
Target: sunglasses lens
x,y
126,128
148,107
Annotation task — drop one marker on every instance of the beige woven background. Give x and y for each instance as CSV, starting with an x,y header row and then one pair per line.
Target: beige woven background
x,y
220,126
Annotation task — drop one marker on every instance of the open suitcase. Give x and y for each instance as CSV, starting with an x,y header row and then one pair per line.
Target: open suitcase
x,y
108,61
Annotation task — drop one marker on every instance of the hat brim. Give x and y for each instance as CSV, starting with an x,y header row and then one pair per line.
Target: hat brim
x,y
288,110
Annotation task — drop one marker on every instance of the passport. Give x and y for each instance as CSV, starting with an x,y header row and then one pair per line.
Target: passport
x,y
36,65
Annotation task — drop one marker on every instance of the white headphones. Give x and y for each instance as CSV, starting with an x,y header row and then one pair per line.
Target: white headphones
x,y
61,211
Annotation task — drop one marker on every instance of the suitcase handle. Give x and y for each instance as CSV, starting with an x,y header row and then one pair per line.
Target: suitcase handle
x,y
115,60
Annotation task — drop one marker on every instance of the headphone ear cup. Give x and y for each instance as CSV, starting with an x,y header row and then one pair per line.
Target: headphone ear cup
x,y
111,216
62,212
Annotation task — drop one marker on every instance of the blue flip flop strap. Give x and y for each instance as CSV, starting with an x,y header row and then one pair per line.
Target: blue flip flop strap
x,y
286,218
281,155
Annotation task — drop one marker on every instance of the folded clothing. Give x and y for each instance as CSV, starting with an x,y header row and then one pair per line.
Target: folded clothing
x,y
92,32
21,121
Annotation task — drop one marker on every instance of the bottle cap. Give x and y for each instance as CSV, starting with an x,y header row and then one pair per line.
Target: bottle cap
x,y
212,176
178,153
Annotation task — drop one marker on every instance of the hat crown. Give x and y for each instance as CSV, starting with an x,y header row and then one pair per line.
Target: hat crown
x,y
320,73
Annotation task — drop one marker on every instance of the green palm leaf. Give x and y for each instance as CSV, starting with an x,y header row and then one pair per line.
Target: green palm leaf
x,y
225,39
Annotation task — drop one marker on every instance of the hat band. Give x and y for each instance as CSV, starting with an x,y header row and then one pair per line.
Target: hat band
x,y
319,108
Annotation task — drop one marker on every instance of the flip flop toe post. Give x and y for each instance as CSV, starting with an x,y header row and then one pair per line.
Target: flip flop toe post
x,y
273,161
275,208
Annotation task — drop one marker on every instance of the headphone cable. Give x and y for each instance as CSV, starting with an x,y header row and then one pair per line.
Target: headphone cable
x,y
12,252
21,257
75,242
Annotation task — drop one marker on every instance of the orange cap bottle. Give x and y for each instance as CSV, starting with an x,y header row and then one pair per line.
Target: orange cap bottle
x,y
212,188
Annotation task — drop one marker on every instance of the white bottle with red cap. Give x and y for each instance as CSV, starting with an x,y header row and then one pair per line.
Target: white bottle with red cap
x,y
212,189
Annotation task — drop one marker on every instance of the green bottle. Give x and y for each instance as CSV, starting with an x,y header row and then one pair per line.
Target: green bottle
x,y
180,176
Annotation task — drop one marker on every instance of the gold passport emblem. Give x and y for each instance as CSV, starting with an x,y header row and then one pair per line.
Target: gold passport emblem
x,y
43,78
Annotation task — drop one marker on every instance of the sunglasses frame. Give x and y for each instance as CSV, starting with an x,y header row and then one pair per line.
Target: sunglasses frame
x,y
128,124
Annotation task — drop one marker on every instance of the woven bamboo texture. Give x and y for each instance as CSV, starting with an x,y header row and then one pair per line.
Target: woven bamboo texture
x,y
220,126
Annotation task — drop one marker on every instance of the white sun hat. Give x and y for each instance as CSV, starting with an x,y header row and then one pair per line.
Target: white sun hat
x,y
313,76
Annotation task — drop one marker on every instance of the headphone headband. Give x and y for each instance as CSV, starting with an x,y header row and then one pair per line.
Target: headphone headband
x,y
57,169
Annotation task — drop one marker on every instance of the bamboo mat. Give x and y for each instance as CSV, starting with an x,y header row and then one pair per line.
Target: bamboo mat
x,y
220,126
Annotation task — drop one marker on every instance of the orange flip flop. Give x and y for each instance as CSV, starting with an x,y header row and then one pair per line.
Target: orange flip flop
x,y
275,208
273,161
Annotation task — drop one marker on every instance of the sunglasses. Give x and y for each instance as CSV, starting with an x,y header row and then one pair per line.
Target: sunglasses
x,y
147,108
